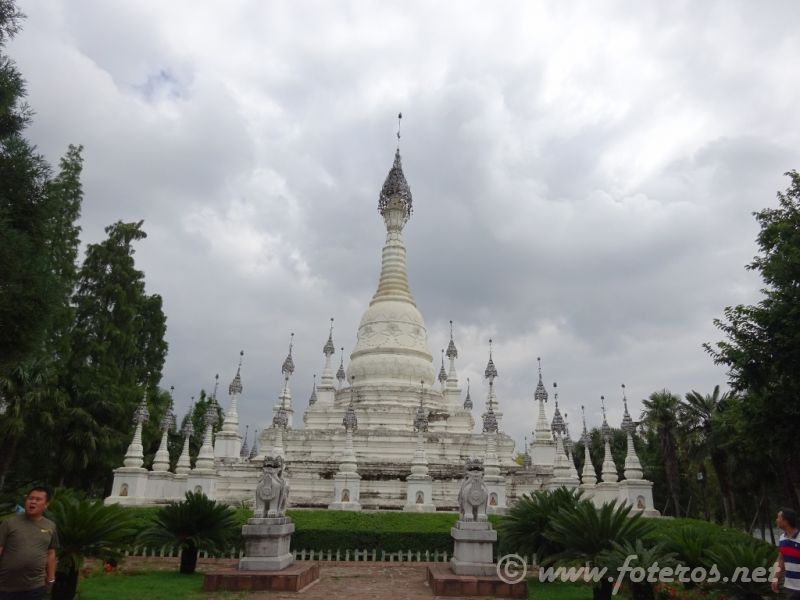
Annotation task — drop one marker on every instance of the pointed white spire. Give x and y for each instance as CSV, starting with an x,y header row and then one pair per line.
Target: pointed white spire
x,y
205,457
527,461
633,467
557,424
609,473
231,422
183,465
542,433
588,475
585,437
328,350
627,423
245,450
468,399
419,465
161,459
442,373
254,447
348,463
285,398
134,457
561,468
340,375
605,429
313,398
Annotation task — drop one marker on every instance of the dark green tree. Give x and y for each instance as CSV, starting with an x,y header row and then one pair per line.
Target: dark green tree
x,y
118,351
26,279
762,345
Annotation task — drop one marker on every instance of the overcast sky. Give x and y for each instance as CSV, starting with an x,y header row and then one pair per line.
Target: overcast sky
x,y
583,176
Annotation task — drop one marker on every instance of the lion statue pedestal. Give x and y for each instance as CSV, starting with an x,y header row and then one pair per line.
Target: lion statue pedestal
x,y
268,535
473,534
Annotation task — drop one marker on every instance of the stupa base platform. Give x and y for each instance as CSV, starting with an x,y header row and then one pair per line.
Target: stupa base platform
x,y
294,578
443,582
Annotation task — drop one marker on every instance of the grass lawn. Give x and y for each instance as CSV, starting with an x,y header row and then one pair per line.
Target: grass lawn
x,y
150,585
558,591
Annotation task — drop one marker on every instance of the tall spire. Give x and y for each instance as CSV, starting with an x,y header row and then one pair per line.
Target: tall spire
x,y
557,424
568,443
288,364
161,459
452,352
605,429
328,350
585,437
468,400
254,447
421,417
183,465
340,375
236,384
491,371
285,398
527,461
350,421
245,450
442,372
542,433
628,425
134,457
313,398
231,423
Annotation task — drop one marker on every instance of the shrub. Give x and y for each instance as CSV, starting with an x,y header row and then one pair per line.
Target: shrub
x,y
197,523
86,528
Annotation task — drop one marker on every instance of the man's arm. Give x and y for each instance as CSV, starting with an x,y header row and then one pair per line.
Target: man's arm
x,y
51,566
778,569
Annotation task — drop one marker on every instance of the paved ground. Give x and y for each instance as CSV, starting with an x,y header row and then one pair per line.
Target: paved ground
x,y
337,581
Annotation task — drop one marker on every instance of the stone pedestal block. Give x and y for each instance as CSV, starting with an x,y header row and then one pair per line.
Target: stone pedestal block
x,y
472,554
419,495
443,582
346,492
266,544
639,494
130,486
294,578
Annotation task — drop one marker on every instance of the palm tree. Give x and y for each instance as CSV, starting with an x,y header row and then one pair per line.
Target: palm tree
x,y
86,528
194,524
586,533
702,415
661,415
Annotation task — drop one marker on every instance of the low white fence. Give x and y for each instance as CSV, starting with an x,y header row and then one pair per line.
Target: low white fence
x,y
346,555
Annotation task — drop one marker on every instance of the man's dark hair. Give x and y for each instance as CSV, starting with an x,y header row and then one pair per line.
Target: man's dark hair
x,y
789,516
48,494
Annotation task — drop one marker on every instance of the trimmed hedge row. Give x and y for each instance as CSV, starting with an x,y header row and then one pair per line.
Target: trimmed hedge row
x,y
399,531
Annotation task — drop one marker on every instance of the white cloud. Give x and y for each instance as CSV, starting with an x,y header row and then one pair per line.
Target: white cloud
x,y
583,176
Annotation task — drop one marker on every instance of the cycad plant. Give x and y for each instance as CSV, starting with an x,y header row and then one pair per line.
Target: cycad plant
x,y
690,543
194,524
585,532
86,529
737,565
636,557
522,529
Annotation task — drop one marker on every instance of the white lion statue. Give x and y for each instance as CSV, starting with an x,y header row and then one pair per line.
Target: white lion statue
x,y
473,496
272,491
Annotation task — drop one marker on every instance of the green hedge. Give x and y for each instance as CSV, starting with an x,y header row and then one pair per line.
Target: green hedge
x,y
399,531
